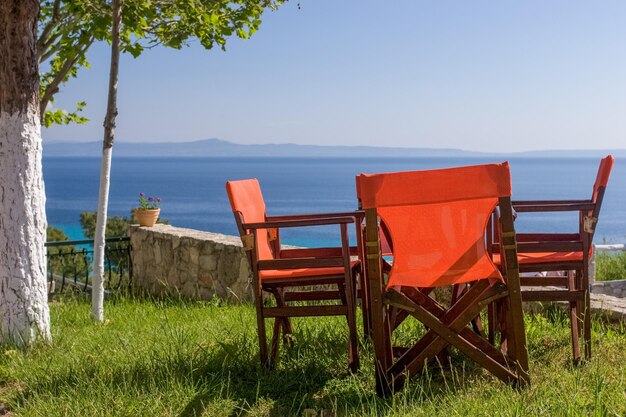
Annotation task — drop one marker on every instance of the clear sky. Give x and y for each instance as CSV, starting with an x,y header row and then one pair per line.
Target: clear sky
x,y
477,75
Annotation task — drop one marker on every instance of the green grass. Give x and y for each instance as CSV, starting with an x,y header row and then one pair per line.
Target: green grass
x,y
610,266
177,358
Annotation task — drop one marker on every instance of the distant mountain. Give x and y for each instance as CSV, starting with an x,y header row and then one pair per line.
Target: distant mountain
x,y
576,153
222,148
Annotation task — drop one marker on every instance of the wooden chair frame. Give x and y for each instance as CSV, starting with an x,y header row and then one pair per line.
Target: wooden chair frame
x,y
286,259
576,283
446,326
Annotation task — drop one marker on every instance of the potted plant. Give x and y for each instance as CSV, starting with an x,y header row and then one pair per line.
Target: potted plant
x,y
148,211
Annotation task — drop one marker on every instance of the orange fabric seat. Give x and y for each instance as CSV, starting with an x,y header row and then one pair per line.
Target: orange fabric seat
x,y
260,238
543,257
303,272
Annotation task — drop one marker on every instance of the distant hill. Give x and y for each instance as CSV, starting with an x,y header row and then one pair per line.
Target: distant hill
x,y
577,153
222,148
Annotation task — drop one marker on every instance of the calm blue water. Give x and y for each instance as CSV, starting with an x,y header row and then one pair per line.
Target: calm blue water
x,y
193,191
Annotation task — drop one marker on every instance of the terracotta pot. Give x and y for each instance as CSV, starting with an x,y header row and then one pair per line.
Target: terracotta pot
x,y
147,217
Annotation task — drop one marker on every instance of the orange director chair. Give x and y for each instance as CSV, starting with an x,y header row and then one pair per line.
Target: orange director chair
x,y
436,221
275,269
570,252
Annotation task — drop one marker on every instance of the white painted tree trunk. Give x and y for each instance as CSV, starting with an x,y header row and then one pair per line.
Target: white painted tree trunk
x,y
24,314
97,294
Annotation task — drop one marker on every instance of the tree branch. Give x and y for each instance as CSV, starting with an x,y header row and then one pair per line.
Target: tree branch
x,y
48,28
50,48
53,87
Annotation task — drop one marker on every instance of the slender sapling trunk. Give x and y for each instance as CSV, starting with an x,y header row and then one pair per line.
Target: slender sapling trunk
x,y
97,295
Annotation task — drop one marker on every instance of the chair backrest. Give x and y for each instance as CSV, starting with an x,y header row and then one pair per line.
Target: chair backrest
x,y
436,221
247,201
604,173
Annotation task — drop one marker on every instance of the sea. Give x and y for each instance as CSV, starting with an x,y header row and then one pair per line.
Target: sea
x,y
193,193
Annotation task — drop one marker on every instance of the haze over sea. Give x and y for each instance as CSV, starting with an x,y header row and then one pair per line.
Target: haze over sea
x,y
194,196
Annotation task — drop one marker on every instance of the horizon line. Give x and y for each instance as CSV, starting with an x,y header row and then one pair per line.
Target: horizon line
x,y
81,142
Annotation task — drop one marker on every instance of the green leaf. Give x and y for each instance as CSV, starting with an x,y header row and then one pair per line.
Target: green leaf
x,y
145,24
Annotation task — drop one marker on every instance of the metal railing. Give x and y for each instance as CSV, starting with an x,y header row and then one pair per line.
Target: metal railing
x,y
70,264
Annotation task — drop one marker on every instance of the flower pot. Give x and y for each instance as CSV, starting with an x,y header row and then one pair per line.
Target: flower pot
x,y
147,217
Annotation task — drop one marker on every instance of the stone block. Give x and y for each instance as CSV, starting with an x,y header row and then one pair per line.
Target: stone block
x,y
207,262
205,279
191,263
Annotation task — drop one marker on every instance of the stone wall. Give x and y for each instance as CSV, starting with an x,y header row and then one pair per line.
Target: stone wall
x,y
615,288
171,260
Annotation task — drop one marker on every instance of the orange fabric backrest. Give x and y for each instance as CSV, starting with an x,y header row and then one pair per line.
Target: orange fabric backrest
x,y
604,173
436,221
245,197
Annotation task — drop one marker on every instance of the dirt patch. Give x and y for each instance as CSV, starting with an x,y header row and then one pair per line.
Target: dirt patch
x,y
4,411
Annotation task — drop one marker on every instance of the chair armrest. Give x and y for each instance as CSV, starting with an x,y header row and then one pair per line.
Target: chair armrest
x,y
315,252
298,223
296,263
551,242
547,237
534,202
357,214
534,247
552,205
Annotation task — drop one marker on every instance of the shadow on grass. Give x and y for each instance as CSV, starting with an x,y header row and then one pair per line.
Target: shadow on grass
x,y
301,376
249,386
300,382
217,371
224,377
317,389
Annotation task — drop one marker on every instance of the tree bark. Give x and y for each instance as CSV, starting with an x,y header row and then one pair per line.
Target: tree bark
x,y
24,315
97,295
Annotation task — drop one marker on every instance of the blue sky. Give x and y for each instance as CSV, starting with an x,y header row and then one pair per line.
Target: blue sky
x,y
476,75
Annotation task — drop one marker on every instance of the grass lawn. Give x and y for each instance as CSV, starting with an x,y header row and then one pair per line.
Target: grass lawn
x,y
177,358
610,266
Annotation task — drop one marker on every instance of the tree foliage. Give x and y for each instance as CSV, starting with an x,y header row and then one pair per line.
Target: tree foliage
x,y
68,28
116,225
56,235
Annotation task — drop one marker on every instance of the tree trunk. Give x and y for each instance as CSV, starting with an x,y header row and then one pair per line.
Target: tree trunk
x,y
24,315
97,295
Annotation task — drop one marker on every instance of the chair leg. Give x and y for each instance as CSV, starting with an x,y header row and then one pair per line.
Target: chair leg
x,y
517,337
353,342
491,323
504,326
285,322
275,342
477,326
580,304
367,320
342,293
381,339
573,316
586,312
260,321
382,358
512,341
